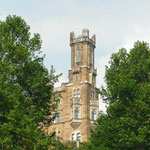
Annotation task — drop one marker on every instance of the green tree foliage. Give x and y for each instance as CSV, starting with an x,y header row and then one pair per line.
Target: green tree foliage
x,y
126,126
26,89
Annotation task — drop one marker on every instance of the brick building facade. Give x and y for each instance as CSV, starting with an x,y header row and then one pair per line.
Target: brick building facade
x,y
79,104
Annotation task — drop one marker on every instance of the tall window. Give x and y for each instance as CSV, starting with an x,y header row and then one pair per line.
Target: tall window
x,y
75,93
73,137
77,56
93,79
91,56
93,114
54,116
79,137
76,137
57,118
92,93
78,93
76,113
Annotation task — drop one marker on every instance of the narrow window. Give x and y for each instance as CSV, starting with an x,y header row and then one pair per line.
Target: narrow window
x,y
73,137
93,79
93,114
78,93
77,57
54,116
92,93
76,113
91,56
79,137
75,93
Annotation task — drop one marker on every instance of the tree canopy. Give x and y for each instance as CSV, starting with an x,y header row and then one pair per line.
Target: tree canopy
x,y
26,89
126,126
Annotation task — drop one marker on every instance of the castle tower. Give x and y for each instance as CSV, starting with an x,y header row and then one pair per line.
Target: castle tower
x,y
79,105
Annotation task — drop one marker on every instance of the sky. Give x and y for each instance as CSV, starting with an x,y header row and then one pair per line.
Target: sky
x,y
116,24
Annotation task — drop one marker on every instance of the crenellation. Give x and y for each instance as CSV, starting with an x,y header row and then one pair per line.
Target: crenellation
x,y
79,97
72,36
85,32
82,38
94,38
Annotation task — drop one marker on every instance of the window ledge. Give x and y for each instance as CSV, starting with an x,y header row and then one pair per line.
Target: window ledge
x,y
75,122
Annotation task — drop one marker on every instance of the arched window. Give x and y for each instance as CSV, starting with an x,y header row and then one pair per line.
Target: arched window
x,y
93,114
77,57
75,93
54,117
73,137
76,113
78,93
79,137
76,137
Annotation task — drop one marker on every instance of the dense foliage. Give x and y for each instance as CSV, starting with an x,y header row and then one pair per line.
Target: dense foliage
x,y
126,126
26,89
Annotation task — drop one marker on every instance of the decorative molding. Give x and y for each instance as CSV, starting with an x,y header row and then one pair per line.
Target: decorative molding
x,y
82,82
75,123
84,66
70,84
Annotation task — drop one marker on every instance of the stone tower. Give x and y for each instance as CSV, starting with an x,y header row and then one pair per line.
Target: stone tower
x,y
79,104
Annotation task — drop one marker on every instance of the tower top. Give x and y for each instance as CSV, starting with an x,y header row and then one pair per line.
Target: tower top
x,y
84,37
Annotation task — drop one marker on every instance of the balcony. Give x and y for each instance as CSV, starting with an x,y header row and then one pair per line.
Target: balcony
x,y
75,122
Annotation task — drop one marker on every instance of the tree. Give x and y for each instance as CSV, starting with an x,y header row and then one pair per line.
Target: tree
x,y
26,89
127,92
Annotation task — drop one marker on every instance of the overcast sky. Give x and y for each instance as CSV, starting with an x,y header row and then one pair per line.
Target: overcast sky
x,y
116,24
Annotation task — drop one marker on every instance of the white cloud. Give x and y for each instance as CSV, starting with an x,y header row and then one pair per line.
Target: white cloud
x,y
116,24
